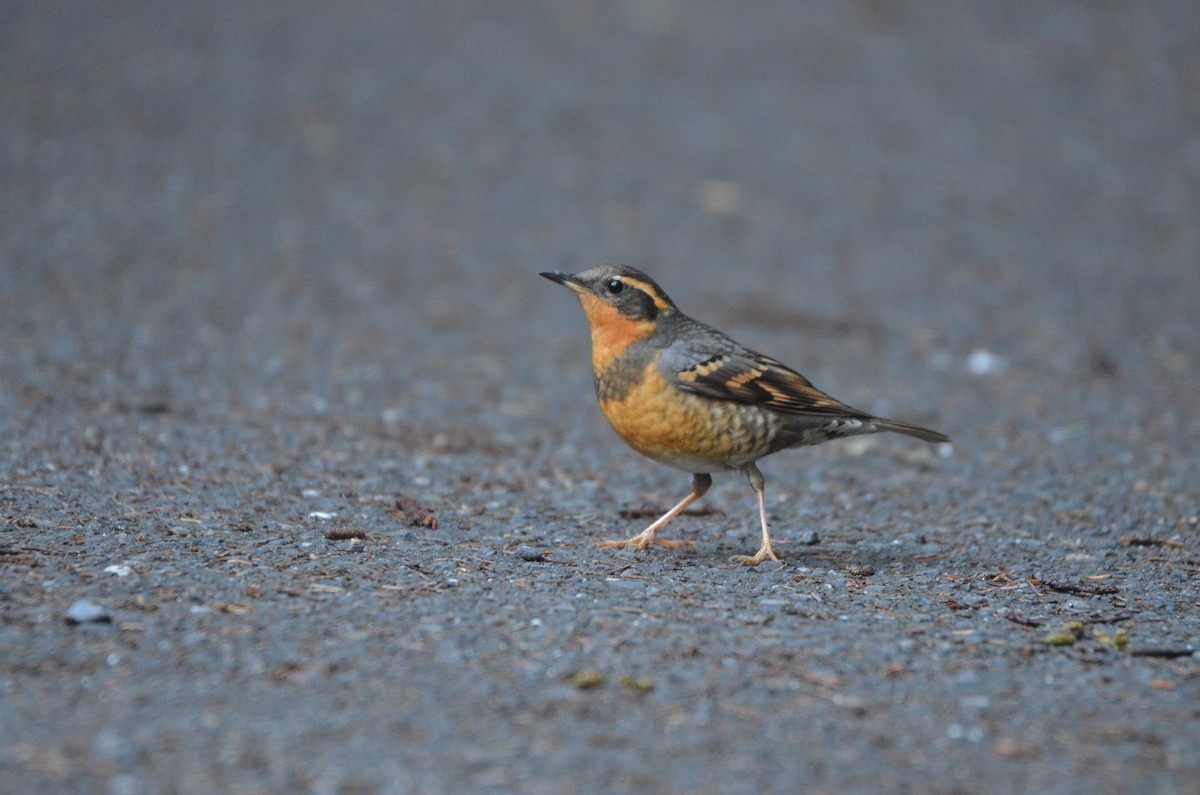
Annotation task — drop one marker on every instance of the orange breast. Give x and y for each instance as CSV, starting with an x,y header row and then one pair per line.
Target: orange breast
x,y
687,431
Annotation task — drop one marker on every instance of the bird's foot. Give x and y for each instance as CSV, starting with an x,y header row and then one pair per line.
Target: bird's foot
x,y
641,541
765,552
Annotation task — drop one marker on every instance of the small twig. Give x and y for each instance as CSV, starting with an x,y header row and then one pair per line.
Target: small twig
x,y
1023,621
1081,589
1167,654
415,568
650,512
1149,541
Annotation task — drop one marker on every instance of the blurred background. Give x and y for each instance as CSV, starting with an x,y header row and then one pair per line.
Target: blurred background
x,y
265,266
346,203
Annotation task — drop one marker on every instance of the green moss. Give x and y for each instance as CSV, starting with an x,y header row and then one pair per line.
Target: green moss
x,y
587,679
640,684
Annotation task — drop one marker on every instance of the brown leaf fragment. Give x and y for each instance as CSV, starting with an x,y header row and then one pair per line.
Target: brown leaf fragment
x,y
414,513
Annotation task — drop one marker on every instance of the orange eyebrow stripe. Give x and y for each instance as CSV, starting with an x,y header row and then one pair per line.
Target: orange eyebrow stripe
x,y
656,296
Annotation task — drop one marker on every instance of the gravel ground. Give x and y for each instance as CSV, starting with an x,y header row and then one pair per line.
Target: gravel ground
x,y
301,470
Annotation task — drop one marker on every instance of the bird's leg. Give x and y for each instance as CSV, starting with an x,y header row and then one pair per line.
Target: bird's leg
x,y
700,483
765,551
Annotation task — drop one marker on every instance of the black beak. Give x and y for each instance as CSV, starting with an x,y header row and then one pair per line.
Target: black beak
x,y
565,279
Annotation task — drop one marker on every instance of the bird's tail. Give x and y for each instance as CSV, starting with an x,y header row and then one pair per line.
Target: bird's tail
x,y
924,434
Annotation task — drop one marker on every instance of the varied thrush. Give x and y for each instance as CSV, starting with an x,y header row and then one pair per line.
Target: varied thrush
x,y
690,397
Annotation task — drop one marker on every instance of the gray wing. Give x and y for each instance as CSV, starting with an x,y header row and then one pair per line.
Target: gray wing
x,y
711,364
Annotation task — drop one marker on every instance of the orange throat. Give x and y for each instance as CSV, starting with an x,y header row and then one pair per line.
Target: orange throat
x,y
612,332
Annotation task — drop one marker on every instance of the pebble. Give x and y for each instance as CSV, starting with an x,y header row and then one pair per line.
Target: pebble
x,y
617,582
85,612
809,538
984,362
530,554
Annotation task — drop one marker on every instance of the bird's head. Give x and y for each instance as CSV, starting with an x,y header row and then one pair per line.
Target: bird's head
x,y
632,294
622,304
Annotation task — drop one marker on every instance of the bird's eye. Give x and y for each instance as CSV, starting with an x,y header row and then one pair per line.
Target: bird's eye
x,y
615,286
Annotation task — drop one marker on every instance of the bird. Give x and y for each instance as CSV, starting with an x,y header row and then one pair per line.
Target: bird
x,y
687,395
